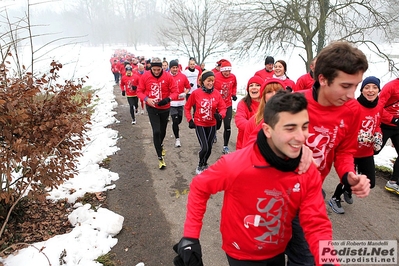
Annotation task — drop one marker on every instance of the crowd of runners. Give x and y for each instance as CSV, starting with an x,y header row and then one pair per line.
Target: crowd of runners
x,y
333,128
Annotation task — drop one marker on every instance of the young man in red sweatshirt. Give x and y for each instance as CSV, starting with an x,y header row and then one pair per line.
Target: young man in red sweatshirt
x,y
264,196
334,120
157,88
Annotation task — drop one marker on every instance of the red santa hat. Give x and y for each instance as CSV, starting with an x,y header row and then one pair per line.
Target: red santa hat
x,y
225,66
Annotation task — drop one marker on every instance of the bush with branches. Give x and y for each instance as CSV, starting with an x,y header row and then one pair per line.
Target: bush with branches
x,y
42,131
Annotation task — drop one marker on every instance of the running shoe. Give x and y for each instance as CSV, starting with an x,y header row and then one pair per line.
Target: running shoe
x,y
336,205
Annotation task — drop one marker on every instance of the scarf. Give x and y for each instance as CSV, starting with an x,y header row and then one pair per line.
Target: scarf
x,y
284,165
366,103
283,77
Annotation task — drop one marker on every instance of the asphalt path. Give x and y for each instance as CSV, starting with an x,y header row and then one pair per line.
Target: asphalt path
x,y
153,201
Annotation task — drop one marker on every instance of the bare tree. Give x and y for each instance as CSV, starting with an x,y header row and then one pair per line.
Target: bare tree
x,y
275,26
195,28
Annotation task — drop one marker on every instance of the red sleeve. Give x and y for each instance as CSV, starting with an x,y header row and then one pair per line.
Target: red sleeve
x,y
141,93
312,212
222,107
386,117
234,88
249,128
241,118
189,104
343,161
211,181
123,83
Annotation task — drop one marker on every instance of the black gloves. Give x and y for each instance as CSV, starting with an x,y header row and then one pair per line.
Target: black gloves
x,y
219,119
189,252
123,93
395,121
191,124
164,101
288,88
234,98
134,88
191,84
217,116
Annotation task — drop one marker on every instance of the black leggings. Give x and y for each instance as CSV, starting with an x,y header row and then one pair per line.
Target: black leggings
x,y
227,126
159,122
176,112
134,105
393,134
278,260
205,137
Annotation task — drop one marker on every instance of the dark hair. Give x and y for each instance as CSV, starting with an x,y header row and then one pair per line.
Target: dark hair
x,y
339,56
283,101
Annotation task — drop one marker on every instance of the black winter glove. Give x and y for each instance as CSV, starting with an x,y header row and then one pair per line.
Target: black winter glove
x,y
234,98
288,88
217,116
219,120
395,121
191,124
189,252
123,93
191,84
164,101
134,88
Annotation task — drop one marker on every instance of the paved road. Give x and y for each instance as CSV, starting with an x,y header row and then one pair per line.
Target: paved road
x,y
153,201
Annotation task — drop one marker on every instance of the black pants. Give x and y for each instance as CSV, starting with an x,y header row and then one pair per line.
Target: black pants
x,y
205,137
176,112
227,126
365,166
159,122
278,260
393,134
134,105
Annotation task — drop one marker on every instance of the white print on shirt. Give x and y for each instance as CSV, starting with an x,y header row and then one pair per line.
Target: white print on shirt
x,y
366,133
297,187
205,110
321,142
225,89
342,124
272,208
156,91
396,108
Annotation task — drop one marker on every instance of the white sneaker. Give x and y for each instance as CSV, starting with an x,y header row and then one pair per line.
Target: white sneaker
x,y
177,143
134,122
142,112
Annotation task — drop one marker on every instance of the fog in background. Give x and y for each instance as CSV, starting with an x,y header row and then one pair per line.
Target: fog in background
x,y
92,22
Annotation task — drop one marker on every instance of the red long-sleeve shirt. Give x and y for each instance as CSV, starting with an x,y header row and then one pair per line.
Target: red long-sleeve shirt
x,y
333,132
127,82
157,88
304,82
259,205
206,105
264,74
389,99
241,119
227,87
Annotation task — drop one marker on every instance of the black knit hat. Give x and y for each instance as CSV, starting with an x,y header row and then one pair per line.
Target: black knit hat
x,y
173,63
269,60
